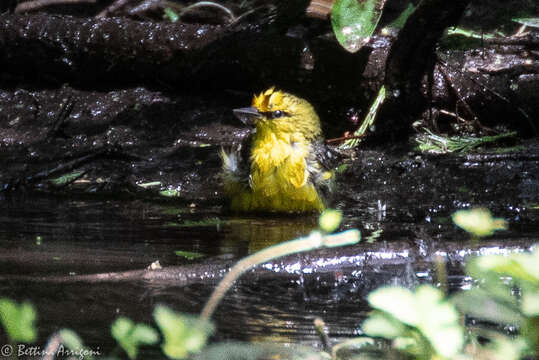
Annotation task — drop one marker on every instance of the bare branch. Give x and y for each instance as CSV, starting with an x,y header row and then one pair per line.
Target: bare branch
x,y
112,8
38,4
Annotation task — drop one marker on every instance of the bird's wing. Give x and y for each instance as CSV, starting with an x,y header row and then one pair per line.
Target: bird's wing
x,y
321,162
236,164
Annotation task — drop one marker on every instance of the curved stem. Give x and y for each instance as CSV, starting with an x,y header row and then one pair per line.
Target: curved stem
x,y
211,4
314,241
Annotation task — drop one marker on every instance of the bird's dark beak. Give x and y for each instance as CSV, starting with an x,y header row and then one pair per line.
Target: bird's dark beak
x,y
247,115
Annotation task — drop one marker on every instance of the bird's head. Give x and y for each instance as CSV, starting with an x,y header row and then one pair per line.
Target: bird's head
x,y
280,112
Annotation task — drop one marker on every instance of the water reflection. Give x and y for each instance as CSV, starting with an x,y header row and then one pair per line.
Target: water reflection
x,y
45,237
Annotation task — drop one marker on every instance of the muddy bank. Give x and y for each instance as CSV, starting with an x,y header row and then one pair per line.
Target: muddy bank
x,y
494,80
129,106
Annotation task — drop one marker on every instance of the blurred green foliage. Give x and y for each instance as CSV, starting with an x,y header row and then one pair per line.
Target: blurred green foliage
x,y
18,321
131,336
182,334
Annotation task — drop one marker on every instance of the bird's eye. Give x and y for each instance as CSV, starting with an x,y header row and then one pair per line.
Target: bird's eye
x,y
277,114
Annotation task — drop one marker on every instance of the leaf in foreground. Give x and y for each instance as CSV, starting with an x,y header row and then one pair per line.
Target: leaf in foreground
x,y
183,334
18,320
131,336
426,310
354,21
478,222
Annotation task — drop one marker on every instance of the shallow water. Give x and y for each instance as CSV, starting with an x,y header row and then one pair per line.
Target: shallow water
x,y
41,236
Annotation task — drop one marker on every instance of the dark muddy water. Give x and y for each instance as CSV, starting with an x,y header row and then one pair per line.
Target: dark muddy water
x,y
42,238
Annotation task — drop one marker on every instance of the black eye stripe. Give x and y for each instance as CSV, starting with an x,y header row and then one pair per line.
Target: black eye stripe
x,y
275,114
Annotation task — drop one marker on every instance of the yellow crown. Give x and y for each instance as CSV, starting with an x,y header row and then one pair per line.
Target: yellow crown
x,y
268,100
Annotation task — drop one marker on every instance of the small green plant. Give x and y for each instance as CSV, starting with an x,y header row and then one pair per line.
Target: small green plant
x,y
494,301
368,121
182,334
131,336
399,22
18,321
330,220
430,142
458,31
478,222
170,193
421,323
189,255
425,324
66,179
531,22
170,15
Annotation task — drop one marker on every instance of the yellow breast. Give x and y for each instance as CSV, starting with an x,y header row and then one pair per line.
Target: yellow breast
x,y
279,176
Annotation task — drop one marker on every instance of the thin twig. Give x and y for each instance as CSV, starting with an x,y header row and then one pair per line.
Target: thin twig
x,y
65,110
452,114
112,8
441,273
345,137
501,97
144,6
475,122
209,4
449,81
38,4
498,95
320,326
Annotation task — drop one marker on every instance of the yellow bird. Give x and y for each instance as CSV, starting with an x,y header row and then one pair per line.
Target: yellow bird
x,y
279,167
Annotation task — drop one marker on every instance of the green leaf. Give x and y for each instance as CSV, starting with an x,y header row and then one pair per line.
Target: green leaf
x,y
522,266
439,321
531,22
482,305
18,320
200,223
413,345
170,193
368,121
74,343
380,324
398,302
341,168
150,184
71,339
469,33
401,20
530,302
478,222
359,345
188,254
131,336
426,310
504,348
66,179
354,21
183,334
330,220
170,14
